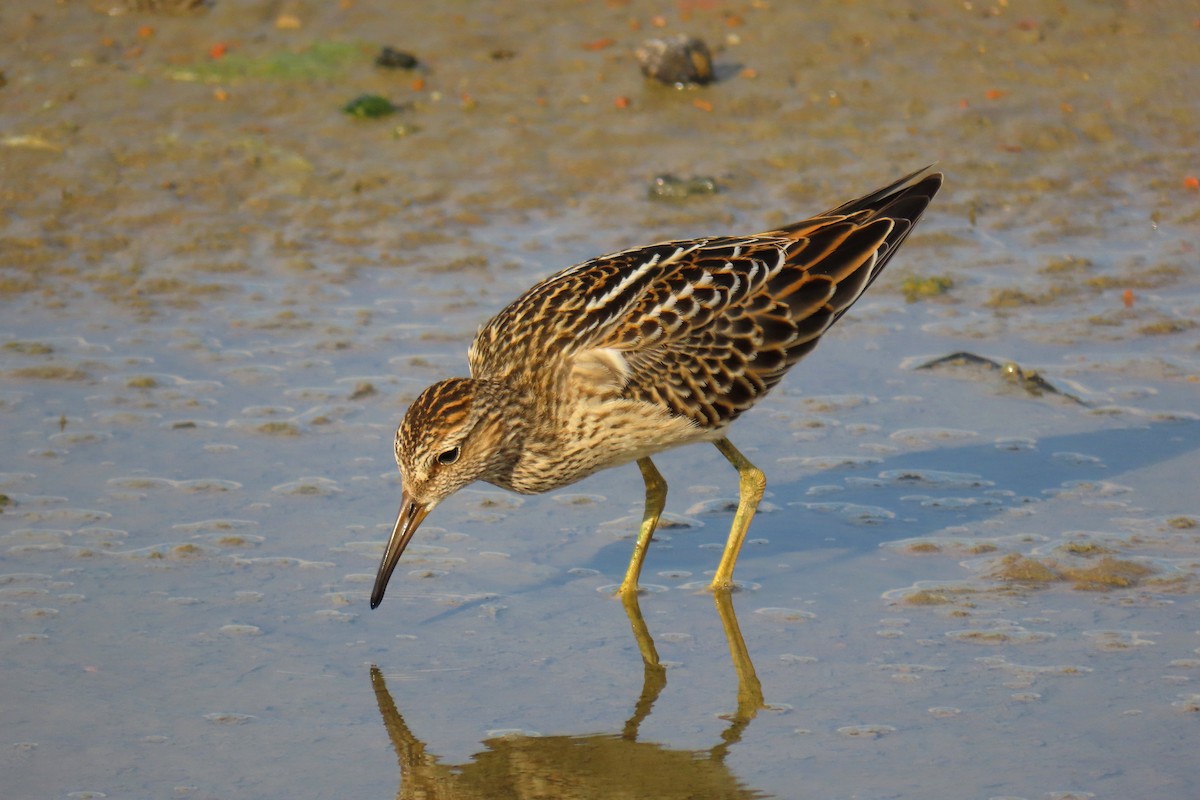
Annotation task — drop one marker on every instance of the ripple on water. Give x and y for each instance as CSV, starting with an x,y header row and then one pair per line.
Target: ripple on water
x,y
314,486
910,671
780,614
851,512
1118,640
1016,444
866,731
23,592
830,462
923,436
830,403
79,437
944,712
1077,459
10,401
226,540
128,418
999,635
280,561
961,546
240,630
230,718
1048,670
193,485
1084,489
79,516
315,394
792,658
482,498
1188,702
934,478
950,503
10,479
214,525
168,551
668,521
578,499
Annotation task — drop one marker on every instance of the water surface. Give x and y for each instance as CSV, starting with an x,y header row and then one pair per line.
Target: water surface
x,y
219,294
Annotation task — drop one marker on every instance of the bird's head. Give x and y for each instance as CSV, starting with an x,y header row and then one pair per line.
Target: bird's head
x,y
451,436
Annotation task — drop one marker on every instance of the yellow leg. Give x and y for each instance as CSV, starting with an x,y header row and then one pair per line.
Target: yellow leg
x,y
751,483
656,498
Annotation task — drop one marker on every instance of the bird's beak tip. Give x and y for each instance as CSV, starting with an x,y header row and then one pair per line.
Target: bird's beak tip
x,y
410,516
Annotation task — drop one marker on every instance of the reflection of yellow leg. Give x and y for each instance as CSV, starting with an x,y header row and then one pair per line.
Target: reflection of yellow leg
x,y
656,498
416,765
750,694
751,483
654,675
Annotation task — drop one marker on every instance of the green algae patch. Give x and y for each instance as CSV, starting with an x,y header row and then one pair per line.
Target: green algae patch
x,y
1022,569
1107,573
370,106
1153,277
1018,298
318,61
1086,549
915,288
1166,327
49,372
278,429
26,348
1093,575
365,389
1066,265
928,597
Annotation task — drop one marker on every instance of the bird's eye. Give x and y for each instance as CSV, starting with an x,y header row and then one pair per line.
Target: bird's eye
x,y
449,456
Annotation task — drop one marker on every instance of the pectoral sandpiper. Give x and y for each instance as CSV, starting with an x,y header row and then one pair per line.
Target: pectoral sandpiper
x,y
629,354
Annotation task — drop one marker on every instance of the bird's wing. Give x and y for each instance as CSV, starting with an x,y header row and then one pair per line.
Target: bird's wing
x,y
701,327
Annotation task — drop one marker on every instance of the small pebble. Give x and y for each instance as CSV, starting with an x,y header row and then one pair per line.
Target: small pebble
x,y
391,58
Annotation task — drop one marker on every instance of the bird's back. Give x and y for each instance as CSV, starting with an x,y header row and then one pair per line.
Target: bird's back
x,y
701,328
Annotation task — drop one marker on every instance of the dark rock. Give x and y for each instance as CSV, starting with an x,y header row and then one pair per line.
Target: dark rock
x,y
678,60
391,58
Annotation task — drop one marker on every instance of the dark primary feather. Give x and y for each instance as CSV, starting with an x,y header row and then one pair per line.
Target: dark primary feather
x,y
702,327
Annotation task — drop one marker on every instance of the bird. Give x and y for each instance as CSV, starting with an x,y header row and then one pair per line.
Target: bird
x,y
629,354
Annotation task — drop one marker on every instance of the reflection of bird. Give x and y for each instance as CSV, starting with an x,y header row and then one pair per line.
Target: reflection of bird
x,y
613,765
633,353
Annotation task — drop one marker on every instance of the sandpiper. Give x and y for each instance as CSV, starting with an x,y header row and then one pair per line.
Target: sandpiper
x,y
629,354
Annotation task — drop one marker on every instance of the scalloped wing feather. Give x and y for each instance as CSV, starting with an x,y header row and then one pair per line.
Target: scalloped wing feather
x,y
704,327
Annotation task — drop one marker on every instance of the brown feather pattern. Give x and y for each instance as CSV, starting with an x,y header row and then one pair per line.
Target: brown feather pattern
x,y
706,327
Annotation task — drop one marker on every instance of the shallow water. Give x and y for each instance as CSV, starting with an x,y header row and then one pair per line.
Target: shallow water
x,y
219,294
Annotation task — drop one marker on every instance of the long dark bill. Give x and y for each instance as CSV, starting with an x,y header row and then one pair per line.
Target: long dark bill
x,y
410,516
